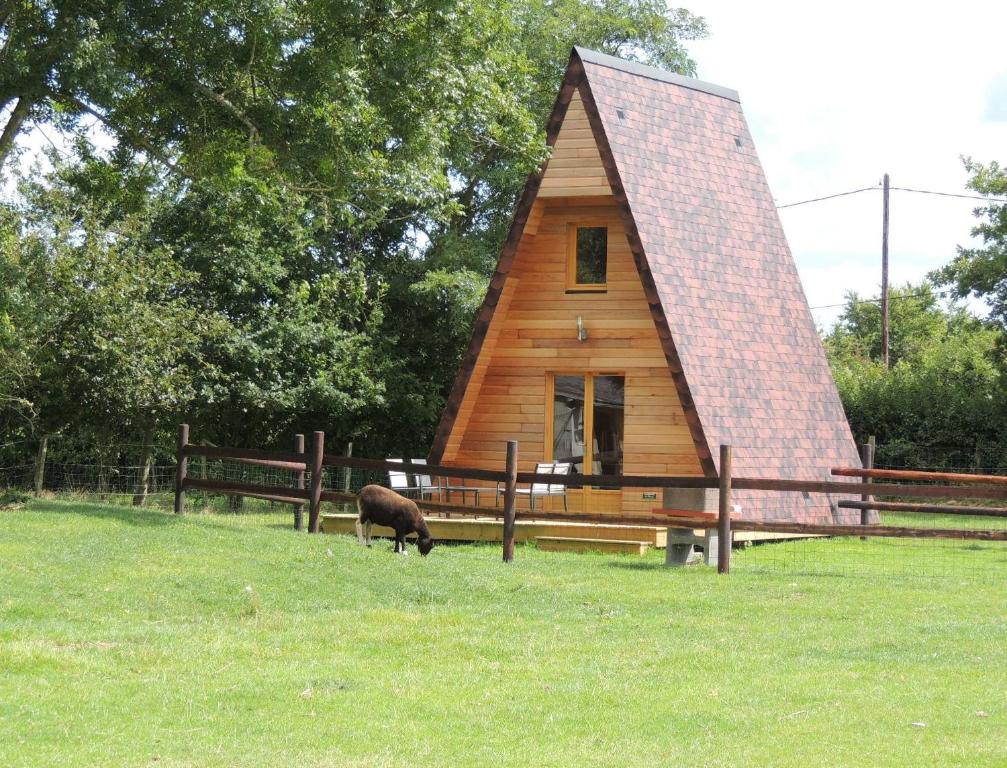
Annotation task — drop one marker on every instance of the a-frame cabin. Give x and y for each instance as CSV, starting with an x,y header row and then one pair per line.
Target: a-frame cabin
x,y
646,308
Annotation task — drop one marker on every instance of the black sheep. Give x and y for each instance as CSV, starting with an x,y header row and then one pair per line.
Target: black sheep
x,y
379,506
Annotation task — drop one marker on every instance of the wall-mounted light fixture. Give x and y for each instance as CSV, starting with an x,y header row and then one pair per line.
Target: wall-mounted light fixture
x,y
581,330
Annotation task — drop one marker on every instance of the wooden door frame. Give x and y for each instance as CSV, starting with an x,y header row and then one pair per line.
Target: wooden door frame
x,y
550,418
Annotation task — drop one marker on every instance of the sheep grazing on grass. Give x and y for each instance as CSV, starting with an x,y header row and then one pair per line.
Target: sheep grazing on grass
x,y
380,506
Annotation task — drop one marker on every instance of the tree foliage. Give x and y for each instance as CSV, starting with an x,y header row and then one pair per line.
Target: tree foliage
x,y
942,401
271,217
982,271
103,338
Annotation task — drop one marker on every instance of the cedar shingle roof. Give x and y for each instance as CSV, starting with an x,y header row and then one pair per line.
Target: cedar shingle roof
x,y
723,287
728,285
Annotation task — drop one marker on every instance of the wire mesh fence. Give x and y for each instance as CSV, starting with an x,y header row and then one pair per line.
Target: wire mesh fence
x,y
970,459
100,479
877,558
849,556
103,481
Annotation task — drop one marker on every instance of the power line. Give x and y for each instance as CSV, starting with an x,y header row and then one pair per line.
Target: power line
x,y
952,194
899,189
828,197
922,294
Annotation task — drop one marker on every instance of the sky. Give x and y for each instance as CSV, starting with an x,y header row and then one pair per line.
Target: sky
x,y
838,94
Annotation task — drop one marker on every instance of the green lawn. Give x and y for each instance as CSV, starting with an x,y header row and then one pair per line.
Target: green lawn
x,y
138,639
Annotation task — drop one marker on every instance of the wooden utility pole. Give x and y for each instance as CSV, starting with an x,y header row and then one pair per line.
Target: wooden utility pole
x,y
884,275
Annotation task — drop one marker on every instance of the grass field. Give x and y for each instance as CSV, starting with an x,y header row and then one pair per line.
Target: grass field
x,y
137,638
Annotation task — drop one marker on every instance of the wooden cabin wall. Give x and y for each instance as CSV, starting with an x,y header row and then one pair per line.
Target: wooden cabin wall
x,y
575,167
533,333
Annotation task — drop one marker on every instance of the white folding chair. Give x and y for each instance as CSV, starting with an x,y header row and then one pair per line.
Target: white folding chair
x,y
398,481
424,484
536,490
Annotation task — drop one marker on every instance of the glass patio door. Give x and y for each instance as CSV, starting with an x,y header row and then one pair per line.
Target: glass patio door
x,y
585,420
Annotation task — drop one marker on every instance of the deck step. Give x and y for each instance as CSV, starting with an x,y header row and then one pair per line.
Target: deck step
x,y
481,529
611,546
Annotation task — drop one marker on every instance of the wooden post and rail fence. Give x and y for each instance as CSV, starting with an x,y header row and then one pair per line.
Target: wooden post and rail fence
x,y
309,470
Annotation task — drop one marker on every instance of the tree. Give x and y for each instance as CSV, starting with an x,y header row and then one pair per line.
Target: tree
x,y
17,310
982,271
109,345
916,324
295,349
326,186
942,402
422,111
49,51
423,346
500,141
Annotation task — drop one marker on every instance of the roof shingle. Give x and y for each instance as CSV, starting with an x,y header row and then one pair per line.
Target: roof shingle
x,y
725,276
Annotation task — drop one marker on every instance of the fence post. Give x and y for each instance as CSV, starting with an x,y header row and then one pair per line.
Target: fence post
x,y
146,459
510,494
43,446
314,516
299,484
724,517
347,471
867,459
182,464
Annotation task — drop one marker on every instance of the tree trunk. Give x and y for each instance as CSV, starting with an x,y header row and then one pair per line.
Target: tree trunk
x,y
43,446
10,132
146,456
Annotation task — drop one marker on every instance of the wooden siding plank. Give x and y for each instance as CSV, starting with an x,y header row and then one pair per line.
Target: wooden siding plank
x,y
567,191
575,168
536,336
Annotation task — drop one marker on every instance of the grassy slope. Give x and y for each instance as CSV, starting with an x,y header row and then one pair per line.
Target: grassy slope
x,y
139,639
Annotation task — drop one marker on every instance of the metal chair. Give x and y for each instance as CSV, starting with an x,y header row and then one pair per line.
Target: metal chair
x,y
421,485
398,481
543,489
426,485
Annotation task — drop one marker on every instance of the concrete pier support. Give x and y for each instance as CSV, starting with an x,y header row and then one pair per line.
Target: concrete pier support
x,y
681,541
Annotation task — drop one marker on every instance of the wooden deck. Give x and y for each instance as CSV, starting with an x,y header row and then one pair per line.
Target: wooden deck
x,y
491,529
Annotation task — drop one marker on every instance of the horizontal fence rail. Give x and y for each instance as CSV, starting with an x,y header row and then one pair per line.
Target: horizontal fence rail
x,y
236,488
623,481
275,459
759,484
413,468
874,489
905,474
885,531
311,466
704,521
937,509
